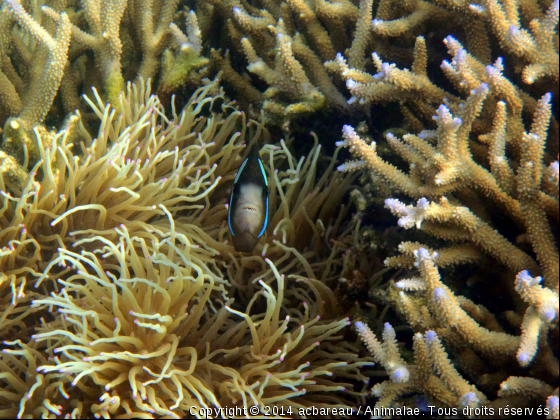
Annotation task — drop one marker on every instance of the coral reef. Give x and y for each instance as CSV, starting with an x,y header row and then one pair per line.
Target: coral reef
x,y
62,49
117,277
482,162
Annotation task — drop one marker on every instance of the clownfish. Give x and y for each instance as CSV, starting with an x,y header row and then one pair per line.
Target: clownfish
x,y
248,204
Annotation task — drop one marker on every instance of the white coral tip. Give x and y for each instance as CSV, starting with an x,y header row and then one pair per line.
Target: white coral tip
x,y
400,375
423,203
348,131
470,399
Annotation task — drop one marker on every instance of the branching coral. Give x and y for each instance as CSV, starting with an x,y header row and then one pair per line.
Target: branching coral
x,y
104,40
285,46
449,167
31,99
43,52
289,46
142,200
535,46
431,374
456,180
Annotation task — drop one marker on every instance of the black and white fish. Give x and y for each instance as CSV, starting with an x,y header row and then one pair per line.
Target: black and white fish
x,y
248,203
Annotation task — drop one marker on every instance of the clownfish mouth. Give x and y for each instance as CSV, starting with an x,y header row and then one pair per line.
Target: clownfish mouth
x,y
249,217
249,213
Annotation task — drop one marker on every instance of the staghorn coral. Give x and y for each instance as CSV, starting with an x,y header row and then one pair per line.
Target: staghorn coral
x,y
431,374
440,171
386,354
31,99
478,182
481,157
44,53
294,32
449,167
289,46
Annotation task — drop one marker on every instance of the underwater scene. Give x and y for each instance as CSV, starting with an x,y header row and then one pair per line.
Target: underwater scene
x,y
279,209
